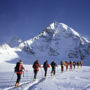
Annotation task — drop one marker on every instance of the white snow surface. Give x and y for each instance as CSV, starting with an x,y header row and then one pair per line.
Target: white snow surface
x,y
7,53
78,79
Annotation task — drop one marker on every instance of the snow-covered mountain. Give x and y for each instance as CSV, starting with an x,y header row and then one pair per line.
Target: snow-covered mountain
x,y
57,42
14,42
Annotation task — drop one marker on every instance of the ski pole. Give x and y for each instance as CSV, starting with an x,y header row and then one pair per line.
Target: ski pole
x,y
42,71
32,73
23,73
26,71
28,75
11,79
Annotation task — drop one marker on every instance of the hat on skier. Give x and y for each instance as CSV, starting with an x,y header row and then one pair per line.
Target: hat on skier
x,y
21,61
37,60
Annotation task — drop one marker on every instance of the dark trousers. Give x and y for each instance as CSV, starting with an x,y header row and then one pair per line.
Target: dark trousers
x,y
74,66
53,71
62,68
18,78
45,69
35,74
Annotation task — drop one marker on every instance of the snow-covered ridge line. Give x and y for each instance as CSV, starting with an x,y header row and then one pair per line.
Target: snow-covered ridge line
x,y
56,27
53,26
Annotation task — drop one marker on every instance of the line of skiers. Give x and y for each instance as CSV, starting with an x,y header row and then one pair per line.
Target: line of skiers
x,y
36,65
72,64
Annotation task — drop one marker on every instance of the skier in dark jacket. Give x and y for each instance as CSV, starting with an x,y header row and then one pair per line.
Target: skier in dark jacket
x,y
74,64
19,70
45,66
36,67
53,65
62,65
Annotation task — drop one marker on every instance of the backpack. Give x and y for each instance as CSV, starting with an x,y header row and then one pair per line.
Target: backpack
x,y
53,64
35,65
17,67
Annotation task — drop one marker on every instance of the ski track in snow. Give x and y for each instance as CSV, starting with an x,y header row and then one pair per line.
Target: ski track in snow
x,y
78,79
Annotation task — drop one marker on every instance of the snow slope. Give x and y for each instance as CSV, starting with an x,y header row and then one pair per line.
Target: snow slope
x,y
78,79
71,80
7,53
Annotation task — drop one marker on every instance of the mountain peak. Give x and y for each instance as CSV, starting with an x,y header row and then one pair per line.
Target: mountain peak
x,y
62,29
14,42
56,24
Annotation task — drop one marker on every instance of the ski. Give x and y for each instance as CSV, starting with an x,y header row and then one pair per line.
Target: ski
x,y
13,87
35,81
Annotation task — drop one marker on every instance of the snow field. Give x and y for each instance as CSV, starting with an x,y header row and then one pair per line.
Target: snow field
x,y
78,79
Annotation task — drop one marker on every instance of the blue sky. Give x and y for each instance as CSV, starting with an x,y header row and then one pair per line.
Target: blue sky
x,y
27,18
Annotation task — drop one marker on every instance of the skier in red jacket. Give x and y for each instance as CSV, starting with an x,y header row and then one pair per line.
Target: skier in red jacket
x,y
36,67
66,64
19,70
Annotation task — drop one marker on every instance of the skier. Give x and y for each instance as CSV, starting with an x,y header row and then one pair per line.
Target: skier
x,y
81,63
45,66
53,65
77,65
36,67
74,64
19,70
62,65
71,63
66,64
